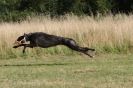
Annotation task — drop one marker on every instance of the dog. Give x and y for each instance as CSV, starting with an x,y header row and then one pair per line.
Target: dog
x,y
44,40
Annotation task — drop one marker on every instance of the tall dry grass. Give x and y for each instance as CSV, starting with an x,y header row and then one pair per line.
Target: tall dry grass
x,y
106,34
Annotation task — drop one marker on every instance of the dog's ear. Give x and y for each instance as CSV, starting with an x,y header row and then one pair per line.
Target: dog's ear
x,y
25,34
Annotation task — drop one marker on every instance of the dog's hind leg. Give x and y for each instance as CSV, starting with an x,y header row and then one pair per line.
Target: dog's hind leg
x,y
72,44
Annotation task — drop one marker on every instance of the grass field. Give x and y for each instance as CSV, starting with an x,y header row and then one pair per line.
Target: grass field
x,y
104,71
60,67
109,34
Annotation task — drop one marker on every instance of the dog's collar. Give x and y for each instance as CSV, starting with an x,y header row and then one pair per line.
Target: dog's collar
x,y
26,37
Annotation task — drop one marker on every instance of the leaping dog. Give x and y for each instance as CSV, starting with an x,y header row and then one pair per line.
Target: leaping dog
x,y
40,39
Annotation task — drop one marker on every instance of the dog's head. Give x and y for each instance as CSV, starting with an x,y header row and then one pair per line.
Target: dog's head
x,y
21,40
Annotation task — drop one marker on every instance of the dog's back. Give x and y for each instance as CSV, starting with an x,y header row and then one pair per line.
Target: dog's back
x,y
44,40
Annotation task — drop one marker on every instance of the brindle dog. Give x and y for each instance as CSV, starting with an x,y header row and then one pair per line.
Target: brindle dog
x,y
40,39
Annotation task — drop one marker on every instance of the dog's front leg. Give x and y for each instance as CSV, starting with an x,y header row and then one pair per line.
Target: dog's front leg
x,y
18,46
27,45
24,49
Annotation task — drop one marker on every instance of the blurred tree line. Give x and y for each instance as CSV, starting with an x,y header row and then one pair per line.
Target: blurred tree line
x,y
17,10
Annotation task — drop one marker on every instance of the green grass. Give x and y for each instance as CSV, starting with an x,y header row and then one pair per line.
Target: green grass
x,y
104,71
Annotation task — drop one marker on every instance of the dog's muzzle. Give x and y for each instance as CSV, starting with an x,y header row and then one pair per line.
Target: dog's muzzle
x,y
17,43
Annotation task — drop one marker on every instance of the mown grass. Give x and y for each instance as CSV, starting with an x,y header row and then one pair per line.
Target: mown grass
x,y
104,71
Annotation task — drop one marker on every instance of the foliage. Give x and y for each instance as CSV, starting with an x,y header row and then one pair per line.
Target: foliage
x,y
14,10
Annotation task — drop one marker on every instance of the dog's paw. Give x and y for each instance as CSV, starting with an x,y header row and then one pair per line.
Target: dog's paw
x,y
15,46
93,50
92,56
91,53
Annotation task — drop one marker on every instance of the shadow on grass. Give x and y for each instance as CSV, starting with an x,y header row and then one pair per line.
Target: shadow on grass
x,y
40,64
